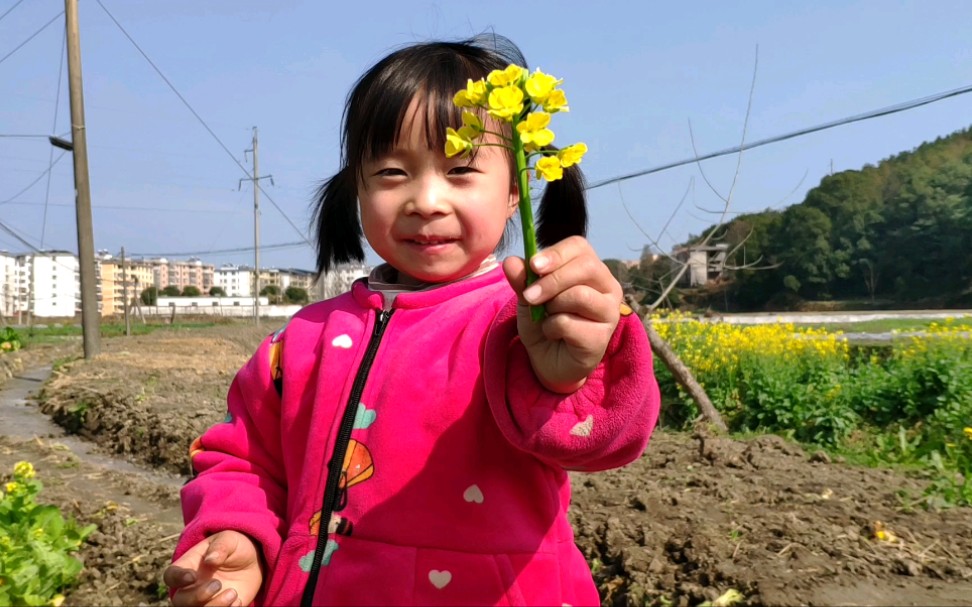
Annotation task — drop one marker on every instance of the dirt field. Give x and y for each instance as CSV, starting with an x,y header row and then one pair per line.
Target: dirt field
x,y
694,518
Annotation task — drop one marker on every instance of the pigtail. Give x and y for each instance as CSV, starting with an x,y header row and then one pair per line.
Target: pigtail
x,y
338,228
563,208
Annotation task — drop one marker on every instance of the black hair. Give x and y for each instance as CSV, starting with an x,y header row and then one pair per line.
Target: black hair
x,y
371,124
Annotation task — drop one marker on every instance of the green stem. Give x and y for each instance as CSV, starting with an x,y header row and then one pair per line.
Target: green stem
x,y
537,313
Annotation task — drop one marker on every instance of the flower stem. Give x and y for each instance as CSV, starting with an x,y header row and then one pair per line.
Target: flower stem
x,y
537,313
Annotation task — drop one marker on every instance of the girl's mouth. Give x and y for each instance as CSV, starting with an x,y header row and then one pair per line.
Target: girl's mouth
x,y
431,244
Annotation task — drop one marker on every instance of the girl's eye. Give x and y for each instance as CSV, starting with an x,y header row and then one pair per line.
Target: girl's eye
x,y
389,172
462,170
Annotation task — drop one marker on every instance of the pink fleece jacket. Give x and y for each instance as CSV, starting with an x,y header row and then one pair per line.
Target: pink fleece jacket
x,y
411,457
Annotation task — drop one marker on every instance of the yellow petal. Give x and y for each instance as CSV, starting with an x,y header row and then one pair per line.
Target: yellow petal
x,y
472,121
456,144
539,86
511,76
556,102
572,154
549,168
505,103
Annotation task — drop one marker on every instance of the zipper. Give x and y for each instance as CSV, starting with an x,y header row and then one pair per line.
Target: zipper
x,y
336,463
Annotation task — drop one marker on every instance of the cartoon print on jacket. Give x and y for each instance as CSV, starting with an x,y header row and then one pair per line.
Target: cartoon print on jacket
x,y
358,467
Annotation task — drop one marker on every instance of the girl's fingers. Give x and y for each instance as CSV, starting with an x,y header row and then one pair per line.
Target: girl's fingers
x,y
198,594
584,270
515,271
587,339
178,577
585,302
227,598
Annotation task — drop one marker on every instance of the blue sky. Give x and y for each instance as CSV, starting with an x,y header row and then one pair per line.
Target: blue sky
x,y
636,73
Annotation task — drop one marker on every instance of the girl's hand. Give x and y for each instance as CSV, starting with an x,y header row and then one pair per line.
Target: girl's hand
x,y
223,569
583,302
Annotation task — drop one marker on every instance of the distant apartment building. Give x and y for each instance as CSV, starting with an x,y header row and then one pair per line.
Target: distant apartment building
x,y
117,284
340,278
236,281
183,274
47,284
44,284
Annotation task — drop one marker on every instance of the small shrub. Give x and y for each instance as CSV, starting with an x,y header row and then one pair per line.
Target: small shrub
x,y
9,340
36,544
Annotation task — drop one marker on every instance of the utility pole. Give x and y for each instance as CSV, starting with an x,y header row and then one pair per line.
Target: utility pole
x,y
90,323
128,325
256,223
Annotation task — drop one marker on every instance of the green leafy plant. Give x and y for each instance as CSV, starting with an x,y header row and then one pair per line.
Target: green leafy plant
x,y
10,340
37,544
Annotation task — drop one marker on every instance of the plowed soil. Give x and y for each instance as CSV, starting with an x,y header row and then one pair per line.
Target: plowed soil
x,y
697,516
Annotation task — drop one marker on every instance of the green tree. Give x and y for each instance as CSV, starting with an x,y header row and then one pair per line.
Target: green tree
x,y
191,291
272,292
296,295
217,292
149,296
171,291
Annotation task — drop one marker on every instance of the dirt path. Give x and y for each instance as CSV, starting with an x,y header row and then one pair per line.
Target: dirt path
x,y
692,519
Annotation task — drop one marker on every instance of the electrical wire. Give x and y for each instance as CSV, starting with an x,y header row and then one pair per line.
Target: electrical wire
x,y
124,208
203,122
32,36
10,10
278,246
893,109
50,156
34,182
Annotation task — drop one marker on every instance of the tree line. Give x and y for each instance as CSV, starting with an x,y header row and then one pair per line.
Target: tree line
x,y
290,295
895,234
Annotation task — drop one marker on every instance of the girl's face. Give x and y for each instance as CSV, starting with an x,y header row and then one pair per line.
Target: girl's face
x,y
431,217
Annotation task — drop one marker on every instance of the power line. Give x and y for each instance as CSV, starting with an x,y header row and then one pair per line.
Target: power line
x,y
11,231
24,136
124,208
278,246
893,109
50,155
201,121
10,10
34,182
32,36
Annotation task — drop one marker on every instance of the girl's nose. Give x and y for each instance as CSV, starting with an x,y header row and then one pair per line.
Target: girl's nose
x,y
428,198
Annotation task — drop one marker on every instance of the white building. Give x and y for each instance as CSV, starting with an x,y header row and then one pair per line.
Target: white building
x,y
8,289
339,279
43,284
237,281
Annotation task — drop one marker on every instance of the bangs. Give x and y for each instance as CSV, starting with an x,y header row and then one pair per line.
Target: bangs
x,y
431,74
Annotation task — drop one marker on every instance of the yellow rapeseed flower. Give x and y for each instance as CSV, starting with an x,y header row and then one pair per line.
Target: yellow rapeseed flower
x,y
549,168
24,470
11,486
506,102
534,132
473,123
539,86
968,433
556,102
473,96
572,154
457,142
57,601
511,76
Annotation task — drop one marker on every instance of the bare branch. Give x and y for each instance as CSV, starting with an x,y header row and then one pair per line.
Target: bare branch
x,y
732,187
652,241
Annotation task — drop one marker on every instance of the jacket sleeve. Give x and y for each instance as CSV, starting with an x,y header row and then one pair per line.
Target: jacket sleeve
x,y
240,479
604,424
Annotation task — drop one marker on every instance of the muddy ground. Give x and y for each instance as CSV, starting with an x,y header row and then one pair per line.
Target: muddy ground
x,y
695,517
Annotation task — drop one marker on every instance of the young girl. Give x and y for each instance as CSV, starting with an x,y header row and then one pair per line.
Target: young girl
x,y
407,443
